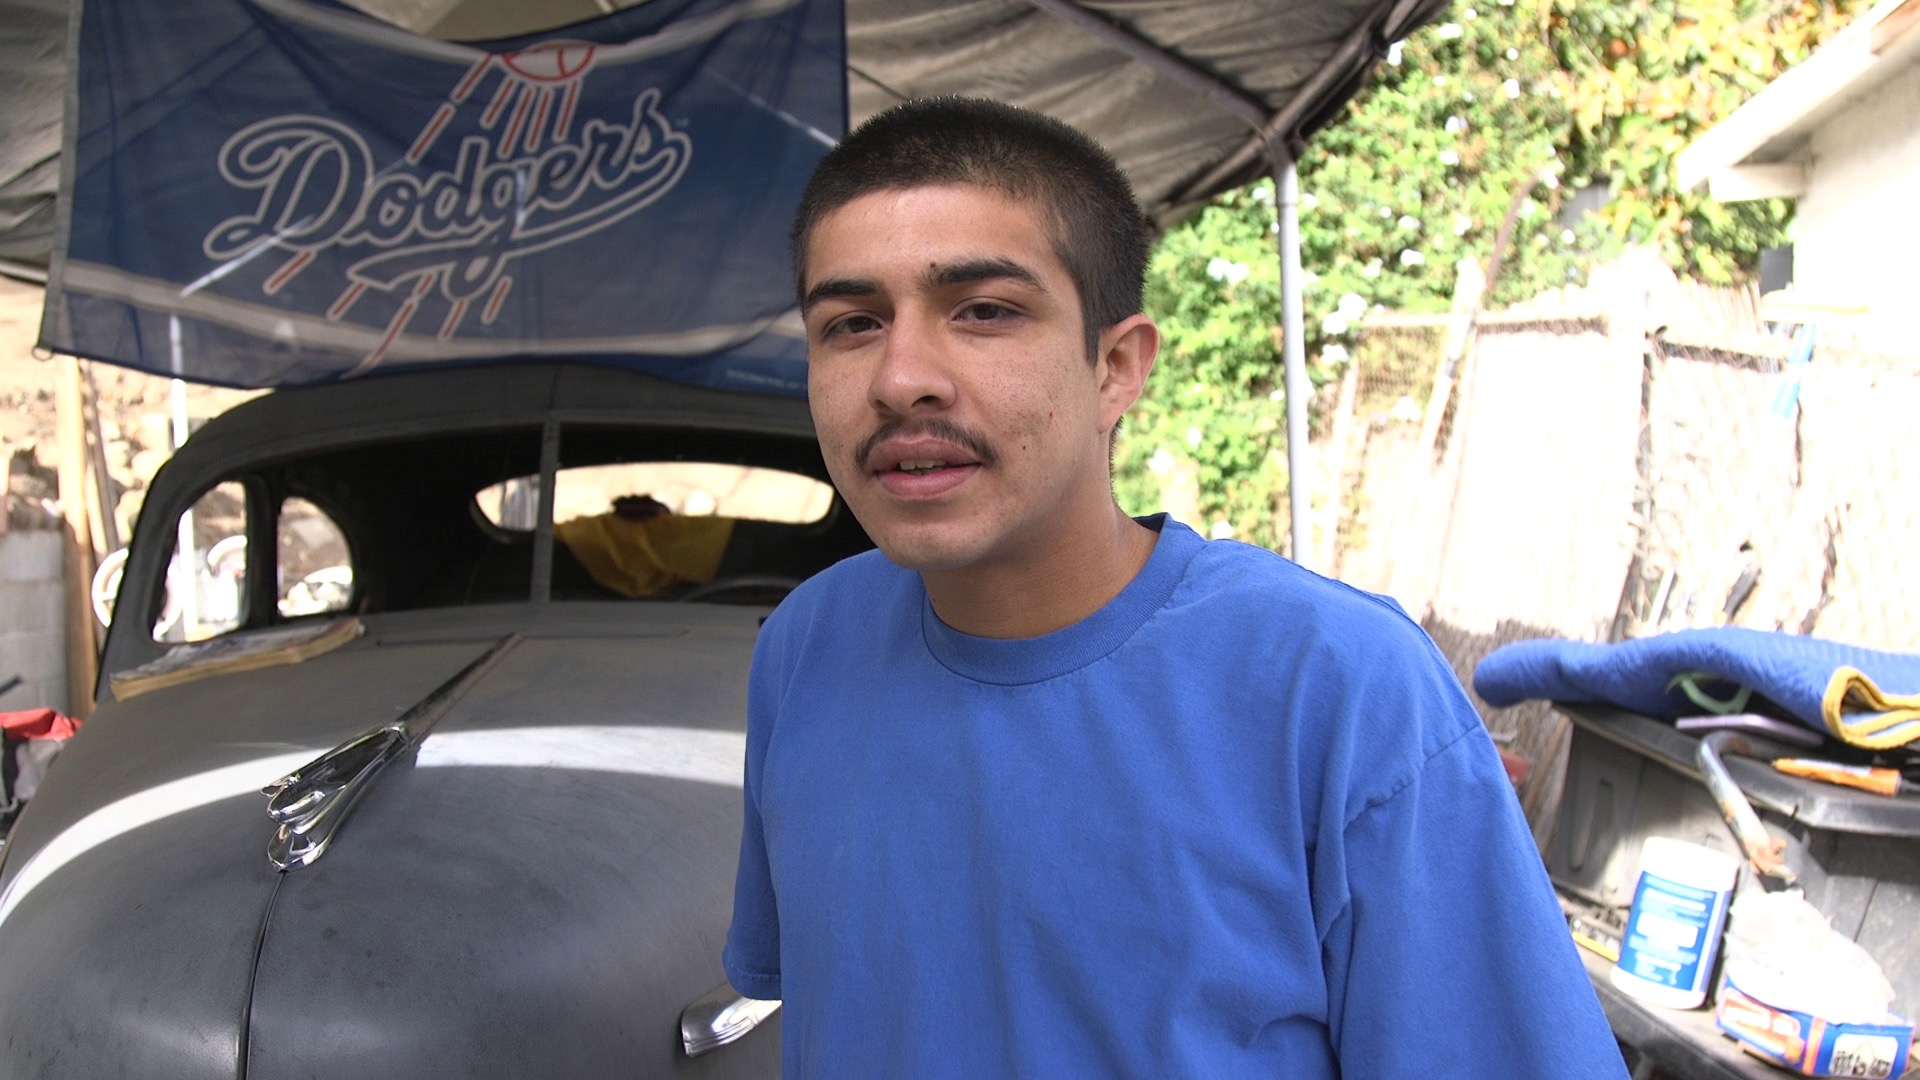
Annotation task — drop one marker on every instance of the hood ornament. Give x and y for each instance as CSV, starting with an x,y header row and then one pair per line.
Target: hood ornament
x,y
309,803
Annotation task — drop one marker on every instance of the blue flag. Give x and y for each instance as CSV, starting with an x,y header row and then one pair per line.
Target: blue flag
x,y
276,192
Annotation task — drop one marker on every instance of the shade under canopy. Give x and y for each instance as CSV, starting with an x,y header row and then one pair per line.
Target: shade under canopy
x,y
1295,61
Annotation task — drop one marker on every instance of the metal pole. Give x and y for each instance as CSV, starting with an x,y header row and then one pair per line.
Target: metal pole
x,y
82,654
1387,21
1390,21
1293,347
186,570
542,590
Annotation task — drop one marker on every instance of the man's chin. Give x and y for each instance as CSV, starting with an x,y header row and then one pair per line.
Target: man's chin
x,y
927,550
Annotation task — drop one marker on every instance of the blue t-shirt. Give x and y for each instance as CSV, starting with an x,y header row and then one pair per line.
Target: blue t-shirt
x,y
1241,821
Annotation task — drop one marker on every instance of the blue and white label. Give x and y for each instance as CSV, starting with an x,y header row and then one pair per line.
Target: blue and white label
x,y
1673,932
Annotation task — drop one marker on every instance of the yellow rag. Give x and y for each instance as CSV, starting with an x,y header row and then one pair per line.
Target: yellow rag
x,y
1862,714
641,559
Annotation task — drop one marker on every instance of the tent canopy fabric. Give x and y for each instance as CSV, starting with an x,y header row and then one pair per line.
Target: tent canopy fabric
x,y
1295,61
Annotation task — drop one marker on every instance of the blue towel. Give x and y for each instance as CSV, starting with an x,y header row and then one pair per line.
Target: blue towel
x,y
1863,696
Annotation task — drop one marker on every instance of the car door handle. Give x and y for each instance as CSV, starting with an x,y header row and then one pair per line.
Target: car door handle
x,y
719,1017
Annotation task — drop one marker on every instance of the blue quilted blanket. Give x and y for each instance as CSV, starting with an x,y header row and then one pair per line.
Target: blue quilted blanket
x,y
1863,696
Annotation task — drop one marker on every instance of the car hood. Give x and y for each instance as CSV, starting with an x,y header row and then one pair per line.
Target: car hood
x,y
538,890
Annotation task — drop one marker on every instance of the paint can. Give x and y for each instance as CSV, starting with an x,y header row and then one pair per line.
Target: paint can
x,y
1673,929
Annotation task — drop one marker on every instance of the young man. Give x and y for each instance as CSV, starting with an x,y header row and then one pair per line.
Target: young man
x,y
1042,790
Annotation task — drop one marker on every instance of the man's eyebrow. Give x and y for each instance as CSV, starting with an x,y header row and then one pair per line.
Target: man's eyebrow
x,y
837,289
939,275
973,270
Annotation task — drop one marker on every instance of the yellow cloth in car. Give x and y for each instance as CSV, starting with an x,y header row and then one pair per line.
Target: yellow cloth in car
x,y
641,559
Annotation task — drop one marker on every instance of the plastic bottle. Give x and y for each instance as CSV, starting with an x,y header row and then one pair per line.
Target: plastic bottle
x,y
1673,929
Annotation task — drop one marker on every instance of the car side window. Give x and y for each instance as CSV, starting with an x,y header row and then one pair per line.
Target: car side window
x,y
315,565
206,591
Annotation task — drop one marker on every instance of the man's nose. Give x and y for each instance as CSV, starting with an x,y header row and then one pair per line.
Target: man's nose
x,y
913,375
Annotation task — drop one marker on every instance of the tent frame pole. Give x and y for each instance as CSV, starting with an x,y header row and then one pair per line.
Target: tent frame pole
x,y
1293,350
1387,23
1273,131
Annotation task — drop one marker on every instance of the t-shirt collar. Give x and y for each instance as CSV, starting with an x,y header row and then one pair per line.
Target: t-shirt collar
x,y
1016,661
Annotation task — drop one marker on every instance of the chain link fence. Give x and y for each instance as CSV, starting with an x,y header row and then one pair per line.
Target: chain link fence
x,y
1779,489
1376,431
1635,456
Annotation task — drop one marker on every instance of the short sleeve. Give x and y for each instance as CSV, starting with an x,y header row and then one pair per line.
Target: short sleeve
x,y
752,955
1450,956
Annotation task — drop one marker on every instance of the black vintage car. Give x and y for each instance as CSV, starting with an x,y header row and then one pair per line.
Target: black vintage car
x,y
486,825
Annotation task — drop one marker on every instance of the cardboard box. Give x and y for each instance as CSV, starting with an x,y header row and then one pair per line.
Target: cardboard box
x,y
1810,1045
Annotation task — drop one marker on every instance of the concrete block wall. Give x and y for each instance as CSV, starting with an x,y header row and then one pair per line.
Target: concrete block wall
x,y
32,620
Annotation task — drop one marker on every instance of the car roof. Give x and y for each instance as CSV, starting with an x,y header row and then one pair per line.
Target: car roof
x,y
408,452
304,420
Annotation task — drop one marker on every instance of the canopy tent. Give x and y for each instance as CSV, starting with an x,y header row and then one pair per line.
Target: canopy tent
x,y
1194,97
1294,62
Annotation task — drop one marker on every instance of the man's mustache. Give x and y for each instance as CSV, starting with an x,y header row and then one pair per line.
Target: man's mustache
x,y
944,430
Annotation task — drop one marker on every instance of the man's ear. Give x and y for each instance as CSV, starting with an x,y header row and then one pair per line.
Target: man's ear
x,y
1125,359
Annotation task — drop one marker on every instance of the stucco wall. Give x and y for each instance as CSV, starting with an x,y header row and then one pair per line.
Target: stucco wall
x,y
1857,234
32,620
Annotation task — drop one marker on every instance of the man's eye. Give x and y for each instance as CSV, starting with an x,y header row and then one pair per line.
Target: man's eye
x,y
852,324
986,311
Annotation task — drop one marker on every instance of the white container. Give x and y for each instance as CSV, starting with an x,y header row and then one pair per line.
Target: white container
x,y
1673,929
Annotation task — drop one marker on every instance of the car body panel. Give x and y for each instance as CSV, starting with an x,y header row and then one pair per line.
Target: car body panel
x,y
581,767
538,884
136,960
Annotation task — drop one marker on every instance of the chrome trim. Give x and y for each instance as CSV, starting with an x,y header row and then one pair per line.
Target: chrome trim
x,y
309,803
721,1016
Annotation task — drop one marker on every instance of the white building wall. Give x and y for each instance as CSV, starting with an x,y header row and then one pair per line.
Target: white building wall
x,y
1857,230
32,620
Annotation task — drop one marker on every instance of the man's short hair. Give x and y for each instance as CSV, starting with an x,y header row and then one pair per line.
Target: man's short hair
x,y
1097,229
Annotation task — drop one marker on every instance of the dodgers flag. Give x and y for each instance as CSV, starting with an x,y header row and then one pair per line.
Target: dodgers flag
x,y
275,192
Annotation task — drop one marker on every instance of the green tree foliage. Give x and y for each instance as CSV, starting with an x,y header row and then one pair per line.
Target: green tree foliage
x,y
1522,104
1214,287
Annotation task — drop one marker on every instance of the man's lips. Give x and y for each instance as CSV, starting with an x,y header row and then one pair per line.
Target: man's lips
x,y
918,455
930,459
920,468
931,483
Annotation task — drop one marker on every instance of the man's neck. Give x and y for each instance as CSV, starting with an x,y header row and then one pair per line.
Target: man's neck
x,y
1053,589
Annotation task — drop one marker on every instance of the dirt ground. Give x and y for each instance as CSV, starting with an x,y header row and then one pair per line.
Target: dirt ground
x,y
134,417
